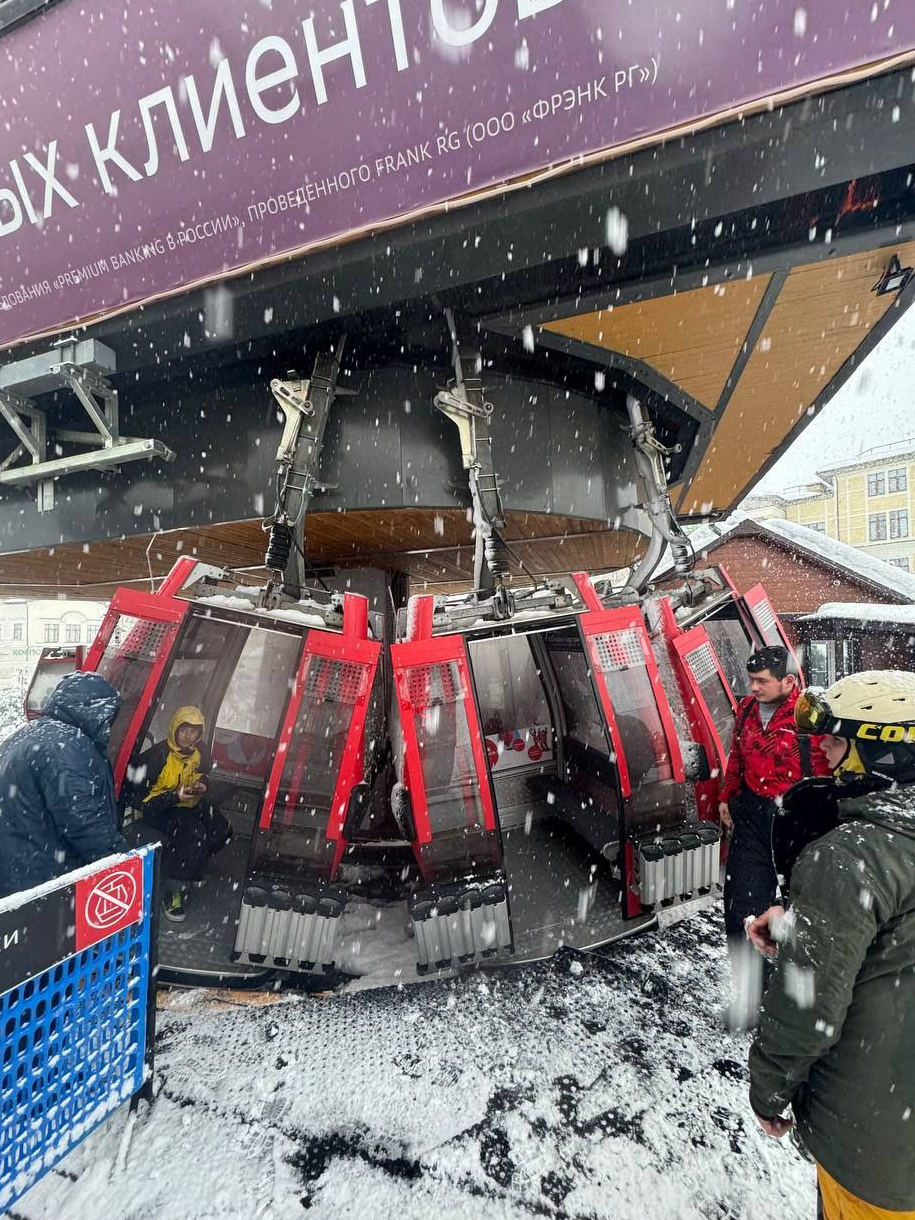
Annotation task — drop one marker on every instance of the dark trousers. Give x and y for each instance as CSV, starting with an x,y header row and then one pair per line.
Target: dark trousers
x,y
750,879
749,889
189,838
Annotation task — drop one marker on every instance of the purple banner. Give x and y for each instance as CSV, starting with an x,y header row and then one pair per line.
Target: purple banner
x,y
146,147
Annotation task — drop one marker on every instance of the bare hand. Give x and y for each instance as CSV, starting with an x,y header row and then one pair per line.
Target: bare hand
x,y
776,1127
187,792
725,814
759,933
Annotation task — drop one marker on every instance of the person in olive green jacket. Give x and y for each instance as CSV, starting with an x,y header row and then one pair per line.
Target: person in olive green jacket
x,y
836,1042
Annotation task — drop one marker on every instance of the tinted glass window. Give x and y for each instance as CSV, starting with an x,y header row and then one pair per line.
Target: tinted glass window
x,y
733,649
622,662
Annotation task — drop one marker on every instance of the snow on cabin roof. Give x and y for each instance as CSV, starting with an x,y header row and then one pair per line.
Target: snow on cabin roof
x,y
866,612
857,564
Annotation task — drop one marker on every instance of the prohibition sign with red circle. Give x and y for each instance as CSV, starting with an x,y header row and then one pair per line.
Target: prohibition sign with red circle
x,y
108,901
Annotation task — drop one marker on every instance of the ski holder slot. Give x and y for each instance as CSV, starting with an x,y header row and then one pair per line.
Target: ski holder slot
x,y
678,864
460,924
287,927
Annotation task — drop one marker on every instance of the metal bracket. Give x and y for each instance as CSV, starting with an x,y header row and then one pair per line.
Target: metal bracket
x,y
306,404
78,366
463,611
464,404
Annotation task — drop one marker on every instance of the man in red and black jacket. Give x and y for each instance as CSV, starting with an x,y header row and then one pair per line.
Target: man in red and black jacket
x,y
767,757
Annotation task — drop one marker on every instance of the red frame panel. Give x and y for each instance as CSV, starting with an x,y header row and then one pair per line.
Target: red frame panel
x,y
153,609
684,644
43,664
625,618
753,599
346,647
439,650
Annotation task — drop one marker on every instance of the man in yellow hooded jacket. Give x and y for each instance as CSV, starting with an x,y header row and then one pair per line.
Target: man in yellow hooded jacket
x,y
171,777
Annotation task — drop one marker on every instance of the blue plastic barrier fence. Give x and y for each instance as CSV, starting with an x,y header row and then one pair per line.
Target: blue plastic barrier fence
x,y
76,1010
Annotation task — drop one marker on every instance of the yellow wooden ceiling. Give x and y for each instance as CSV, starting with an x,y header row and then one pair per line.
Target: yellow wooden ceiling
x,y
692,338
823,314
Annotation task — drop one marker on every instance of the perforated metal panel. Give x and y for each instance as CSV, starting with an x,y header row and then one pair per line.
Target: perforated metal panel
x,y
617,650
765,616
436,683
702,663
335,681
134,639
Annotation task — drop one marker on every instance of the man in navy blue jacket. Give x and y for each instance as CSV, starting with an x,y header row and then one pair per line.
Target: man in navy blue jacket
x,y
57,805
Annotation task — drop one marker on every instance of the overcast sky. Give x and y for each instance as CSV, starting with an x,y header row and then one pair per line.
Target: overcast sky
x,y
876,406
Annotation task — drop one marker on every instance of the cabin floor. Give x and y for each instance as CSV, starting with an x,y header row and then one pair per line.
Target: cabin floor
x,y
561,893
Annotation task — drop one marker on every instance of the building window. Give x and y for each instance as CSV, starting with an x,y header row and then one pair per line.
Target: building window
x,y
74,633
17,631
820,662
876,484
900,563
899,523
897,480
51,633
819,526
876,527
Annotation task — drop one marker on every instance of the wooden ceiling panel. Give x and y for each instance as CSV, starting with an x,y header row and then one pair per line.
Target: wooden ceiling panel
x,y
823,314
436,549
692,338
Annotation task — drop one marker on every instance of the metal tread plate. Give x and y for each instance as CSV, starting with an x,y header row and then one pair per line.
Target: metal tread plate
x,y
202,945
560,892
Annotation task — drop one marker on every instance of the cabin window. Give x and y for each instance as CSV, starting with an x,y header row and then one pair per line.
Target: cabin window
x,y
259,687
203,647
707,676
584,722
729,639
638,719
127,663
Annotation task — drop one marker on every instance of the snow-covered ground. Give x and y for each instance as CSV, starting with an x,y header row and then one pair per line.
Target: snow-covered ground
x,y
598,1086
11,716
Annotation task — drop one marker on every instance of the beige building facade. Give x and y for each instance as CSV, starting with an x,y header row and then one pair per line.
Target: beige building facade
x,y
28,626
867,502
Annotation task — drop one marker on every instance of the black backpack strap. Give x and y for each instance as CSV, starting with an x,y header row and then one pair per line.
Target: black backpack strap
x,y
803,745
743,716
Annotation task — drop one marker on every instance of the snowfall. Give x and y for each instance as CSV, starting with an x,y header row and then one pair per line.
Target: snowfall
x,y
594,1085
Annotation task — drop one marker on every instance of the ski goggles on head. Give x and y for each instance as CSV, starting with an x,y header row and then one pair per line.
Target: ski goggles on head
x,y
812,714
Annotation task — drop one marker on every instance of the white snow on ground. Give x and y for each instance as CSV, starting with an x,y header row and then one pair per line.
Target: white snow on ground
x,y
11,713
594,1087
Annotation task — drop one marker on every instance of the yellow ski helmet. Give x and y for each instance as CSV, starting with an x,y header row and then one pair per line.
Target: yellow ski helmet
x,y
875,711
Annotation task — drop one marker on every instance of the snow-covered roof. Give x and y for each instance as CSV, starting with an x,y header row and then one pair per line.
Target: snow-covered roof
x,y
865,612
857,564
879,454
